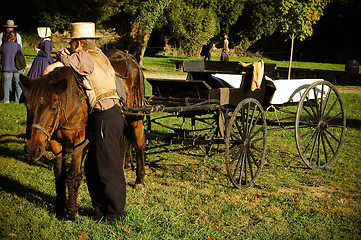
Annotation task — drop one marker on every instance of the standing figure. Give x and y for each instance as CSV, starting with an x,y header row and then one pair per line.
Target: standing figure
x,y
103,165
9,70
9,26
208,49
43,57
225,50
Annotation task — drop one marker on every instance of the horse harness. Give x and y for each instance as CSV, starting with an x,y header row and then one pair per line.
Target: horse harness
x,y
56,126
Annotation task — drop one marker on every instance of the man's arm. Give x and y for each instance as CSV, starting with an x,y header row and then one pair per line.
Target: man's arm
x,y
51,67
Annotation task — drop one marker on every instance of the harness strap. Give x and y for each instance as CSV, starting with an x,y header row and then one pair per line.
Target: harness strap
x,y
34,125
41,128
78,102
52,156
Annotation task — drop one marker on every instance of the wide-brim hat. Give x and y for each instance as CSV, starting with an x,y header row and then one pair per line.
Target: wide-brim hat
x,y
10,24
80,30
44,32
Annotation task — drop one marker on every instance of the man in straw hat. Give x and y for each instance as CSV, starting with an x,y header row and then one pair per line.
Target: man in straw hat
x,y
103,165
9,26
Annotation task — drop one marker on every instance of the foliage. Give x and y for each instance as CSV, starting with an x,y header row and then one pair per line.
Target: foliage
x,y
258,19
245,21
57,14
299,16
194,23
143,25
191,27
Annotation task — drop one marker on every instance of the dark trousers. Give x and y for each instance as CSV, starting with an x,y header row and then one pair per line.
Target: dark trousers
x,y
103,165
207,56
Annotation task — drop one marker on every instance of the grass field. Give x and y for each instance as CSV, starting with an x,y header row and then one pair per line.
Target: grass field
x,y
189,196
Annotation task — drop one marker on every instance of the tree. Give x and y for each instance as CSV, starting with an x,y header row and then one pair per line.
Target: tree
x,y
148,13
297,18
191,27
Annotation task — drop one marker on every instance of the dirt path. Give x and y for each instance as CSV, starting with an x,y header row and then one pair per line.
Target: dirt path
x,y
350,89
165,76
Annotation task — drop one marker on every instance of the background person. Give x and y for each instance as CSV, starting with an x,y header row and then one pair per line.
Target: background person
x,y
7,58
225,50
206,51
103,165
43,57
8,27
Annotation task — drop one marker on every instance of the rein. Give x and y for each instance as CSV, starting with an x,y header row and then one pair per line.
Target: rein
x,y
52,156
56,126
126,57
71,116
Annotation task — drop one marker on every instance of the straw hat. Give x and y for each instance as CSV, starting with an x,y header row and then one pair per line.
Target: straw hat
x,y
83,30
10,24
44,32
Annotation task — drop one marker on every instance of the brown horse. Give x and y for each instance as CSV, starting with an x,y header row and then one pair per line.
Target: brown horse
x,y
57,113
131,75
53,117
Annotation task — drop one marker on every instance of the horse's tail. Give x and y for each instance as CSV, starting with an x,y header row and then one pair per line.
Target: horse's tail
x,y
142,88
138,87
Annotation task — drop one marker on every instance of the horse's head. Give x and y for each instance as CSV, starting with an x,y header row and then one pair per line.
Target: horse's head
x,y
43,110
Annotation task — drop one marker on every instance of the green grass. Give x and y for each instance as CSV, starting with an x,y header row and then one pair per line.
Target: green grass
x,y
189,196
166,64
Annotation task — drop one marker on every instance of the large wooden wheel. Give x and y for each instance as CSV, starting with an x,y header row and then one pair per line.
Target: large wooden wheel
x,y
320,125
246,143
215,136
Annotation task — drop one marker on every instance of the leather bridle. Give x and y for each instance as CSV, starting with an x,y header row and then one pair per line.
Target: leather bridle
x,y
56,126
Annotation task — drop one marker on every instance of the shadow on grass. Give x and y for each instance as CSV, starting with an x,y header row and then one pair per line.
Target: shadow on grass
x,y
19,153
353,123
35,196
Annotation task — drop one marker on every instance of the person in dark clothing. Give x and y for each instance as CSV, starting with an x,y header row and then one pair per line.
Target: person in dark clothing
x,y
207,55
43,57
9,70
8,27
206,51
103,164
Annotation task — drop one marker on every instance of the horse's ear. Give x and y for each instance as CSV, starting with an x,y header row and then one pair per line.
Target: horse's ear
x,y
60,86
25,82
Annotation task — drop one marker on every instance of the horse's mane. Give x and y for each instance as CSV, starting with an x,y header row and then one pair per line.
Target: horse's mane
x,y
138,87
44,87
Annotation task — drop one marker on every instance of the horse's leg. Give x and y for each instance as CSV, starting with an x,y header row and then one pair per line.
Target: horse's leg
x,y
73,180
139,145
126,153
60,175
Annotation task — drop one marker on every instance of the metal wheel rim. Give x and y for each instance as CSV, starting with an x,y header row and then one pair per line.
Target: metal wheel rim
x,y
320,127
246,143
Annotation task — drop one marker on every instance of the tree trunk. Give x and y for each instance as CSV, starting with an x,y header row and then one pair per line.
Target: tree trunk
x,y
140,40
290,65
143,26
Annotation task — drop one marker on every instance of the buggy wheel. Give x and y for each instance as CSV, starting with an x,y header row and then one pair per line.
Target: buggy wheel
x,y
246,143
215,136
320,125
